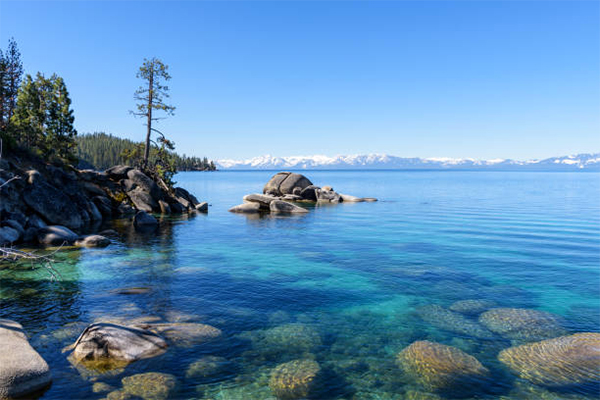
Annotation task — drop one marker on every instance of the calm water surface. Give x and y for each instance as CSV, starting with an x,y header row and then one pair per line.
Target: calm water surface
x,y
343,284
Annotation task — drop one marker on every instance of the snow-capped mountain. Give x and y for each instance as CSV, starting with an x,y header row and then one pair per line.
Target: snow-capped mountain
x,y
382,161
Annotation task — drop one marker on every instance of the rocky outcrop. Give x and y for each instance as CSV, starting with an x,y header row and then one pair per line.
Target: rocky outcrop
x,y
283,207
144,221
264,200
438,367
22,370
295,379
284,183
560,362
522,324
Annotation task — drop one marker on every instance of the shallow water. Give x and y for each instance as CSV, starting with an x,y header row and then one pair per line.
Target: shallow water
x,y
359,278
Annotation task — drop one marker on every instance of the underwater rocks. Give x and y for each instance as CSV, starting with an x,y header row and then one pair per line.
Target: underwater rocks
x,y
471,307
106,345
150,386
522,324
451,321
295,379
22,370
560,362
186,334
207,367
293,338
442,368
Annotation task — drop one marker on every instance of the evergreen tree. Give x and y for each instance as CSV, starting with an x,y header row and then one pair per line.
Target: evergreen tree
x,y
11,73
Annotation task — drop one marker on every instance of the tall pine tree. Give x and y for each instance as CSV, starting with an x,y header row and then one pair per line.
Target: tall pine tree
x,y
11,73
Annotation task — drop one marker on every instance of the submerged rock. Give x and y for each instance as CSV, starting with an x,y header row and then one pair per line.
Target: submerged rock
x,y
453,322
56,235
438,367
471,307
206,367
279,206
93,241
143,221
559,362
186,334
295,379
290,338
22,370
150,385
246,208
107,346
522,324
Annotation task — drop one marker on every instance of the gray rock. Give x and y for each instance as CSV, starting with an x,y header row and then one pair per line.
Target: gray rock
x,y
186,334
176,208
206,367
15,216
285,183
164,207
128,185
346,198
92,189
297,191
118,172
141,220
247,208
104,205
202,207
52,204
327,196
309,193
279,206
125,209
8,235
291,197
22,370
452,321
56,235
142,200
106,341
15,225
93,241
93,211
146,183
263,199
35,221
30,234
182,194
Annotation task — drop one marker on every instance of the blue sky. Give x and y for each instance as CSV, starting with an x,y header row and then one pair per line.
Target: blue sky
x,y
478,79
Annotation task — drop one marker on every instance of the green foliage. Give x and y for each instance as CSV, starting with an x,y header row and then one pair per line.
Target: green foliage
x,y
43,118
11,73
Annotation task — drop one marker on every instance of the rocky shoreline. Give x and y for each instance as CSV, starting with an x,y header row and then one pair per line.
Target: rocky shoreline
x,y
49,205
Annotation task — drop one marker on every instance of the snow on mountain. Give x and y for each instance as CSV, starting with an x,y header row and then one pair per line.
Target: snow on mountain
x,y
384,161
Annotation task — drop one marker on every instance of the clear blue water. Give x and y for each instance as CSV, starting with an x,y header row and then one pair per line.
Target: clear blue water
x,y
356,274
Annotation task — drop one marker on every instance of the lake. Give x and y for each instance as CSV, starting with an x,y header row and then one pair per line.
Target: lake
x,y
348,285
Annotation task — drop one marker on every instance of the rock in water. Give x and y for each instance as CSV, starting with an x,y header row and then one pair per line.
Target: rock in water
x,y
142,200
206,367
56,235
290,338
144,221
559,362
285,182
522,324
451,321
438,367
309,193
150,386
8,235
103,344
186,334
295,379
202,207
279,206
22,370
327,196
246,208
471,307
93,241
262,199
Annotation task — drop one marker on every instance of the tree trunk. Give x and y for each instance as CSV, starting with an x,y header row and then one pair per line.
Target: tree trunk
x,y
149,123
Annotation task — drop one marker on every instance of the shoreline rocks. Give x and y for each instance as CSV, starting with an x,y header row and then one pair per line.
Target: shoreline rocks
x,y
22,370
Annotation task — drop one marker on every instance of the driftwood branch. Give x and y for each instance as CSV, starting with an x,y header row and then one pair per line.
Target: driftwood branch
x,y
44,260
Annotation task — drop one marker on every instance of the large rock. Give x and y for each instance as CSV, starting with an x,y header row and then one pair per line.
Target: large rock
x,y
246,208
185,198
285,182
288,338
93,241
104,205
8,235
145,183
560,362
296,379
142,200
22,370
144,221
327,196
118,172
202,207
107,344
438,367
206,367
51,203
452,321
279,206
263,199
522,324
56,235
150,386
186,334
309,193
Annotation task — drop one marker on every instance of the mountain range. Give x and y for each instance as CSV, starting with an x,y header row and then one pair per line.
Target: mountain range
x,y
579,162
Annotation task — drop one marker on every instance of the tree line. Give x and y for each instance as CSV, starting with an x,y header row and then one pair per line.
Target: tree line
x,y
100,151
36,116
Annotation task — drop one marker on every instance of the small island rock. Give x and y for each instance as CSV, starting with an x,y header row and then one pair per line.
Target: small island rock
x,y
246,208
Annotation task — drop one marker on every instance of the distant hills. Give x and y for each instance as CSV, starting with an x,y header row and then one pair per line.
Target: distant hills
x,y
579,162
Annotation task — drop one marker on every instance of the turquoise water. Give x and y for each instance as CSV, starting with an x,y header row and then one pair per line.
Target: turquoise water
x,y
353,275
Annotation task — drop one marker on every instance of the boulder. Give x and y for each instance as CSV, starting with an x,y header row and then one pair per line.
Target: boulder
x,y
104,205
185,198
34,221
309,193
118,172
291,197
19,217
279,206
11,223
452,321
109,345
164,207
176,208
471,307
202,207
285,182
150,386
438,367
327,196
288,338
22,370
56,235
8,235
522,324
142,200
186,334
128,185
564,361
297,191
93,211
263,199
142,220
145,183
52,204
125,209
246,208
207,366
93,241
30,234
296,379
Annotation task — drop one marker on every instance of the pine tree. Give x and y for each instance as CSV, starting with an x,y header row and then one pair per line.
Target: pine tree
x,y
11,73
60,133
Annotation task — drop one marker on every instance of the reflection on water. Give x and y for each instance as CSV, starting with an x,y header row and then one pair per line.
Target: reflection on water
x,y
326,304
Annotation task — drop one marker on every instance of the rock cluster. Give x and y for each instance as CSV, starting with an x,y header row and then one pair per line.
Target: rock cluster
x,y
286,188
45,204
